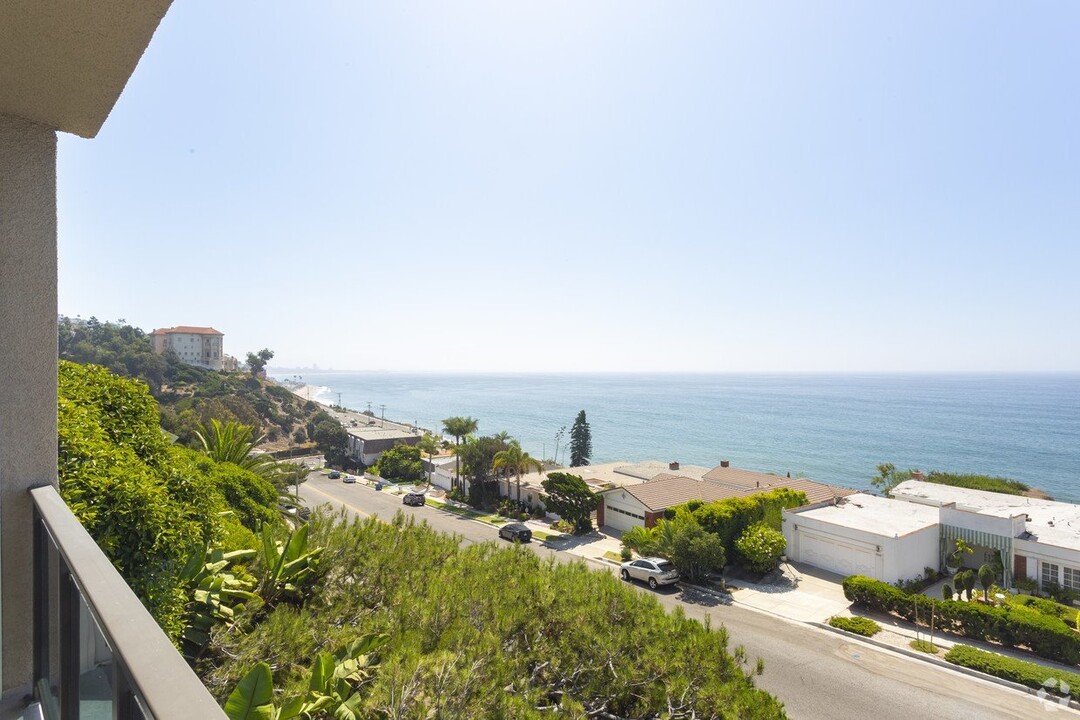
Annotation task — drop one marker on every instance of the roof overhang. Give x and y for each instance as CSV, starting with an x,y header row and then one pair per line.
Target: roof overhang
x,y
65,62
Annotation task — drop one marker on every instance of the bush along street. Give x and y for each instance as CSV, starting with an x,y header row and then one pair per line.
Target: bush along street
x,y
1010,624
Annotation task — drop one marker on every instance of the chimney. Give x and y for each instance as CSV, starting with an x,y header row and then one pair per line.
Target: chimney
x,y
673,466
725,463
917,475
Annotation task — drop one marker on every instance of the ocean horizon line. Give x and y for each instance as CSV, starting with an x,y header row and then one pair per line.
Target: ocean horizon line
x,y
272,371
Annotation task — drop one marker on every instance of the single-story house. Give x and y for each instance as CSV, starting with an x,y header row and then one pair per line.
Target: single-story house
x,y
643,504
1033,538
864,535
367,444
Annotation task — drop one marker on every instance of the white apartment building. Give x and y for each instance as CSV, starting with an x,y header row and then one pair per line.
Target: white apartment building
x,y
200,346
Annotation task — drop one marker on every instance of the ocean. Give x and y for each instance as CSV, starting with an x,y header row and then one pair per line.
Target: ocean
x,y
832,428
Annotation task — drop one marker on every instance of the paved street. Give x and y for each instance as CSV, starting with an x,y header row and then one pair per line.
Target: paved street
x,y
817,674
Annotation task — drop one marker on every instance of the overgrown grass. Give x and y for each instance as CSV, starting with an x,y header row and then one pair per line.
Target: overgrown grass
x,y
978,482
1019,671
858,625
924,646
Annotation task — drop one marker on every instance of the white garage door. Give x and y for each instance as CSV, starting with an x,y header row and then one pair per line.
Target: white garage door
x,y
622,517
829,553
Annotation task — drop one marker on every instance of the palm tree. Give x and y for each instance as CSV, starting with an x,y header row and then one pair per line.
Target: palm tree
x,y
516,461
430,445
233,443
459,427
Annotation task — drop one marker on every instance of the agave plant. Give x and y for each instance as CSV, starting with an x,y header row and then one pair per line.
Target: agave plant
x,y
287,564
216,595
333,686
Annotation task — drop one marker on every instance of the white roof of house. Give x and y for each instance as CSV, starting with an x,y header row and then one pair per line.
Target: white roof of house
x,y
873,514
1049,521
378,433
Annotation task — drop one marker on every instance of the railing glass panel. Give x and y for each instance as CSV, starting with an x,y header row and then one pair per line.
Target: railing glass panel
x,y
98,654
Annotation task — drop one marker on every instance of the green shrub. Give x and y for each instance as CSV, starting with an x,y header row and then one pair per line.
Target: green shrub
x,y
857,625
728,519
1045,635
1026,673
924,646
946,592
762,547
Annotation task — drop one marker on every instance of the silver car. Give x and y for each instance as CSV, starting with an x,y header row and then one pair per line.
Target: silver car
x,y
655,571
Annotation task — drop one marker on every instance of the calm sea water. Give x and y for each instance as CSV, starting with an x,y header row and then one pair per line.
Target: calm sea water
x,y
833,428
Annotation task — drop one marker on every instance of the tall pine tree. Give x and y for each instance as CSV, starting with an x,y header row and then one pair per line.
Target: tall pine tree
x,y
580,441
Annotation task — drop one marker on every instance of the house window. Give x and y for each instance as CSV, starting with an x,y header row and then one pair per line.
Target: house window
x,y
1072,578
1049,573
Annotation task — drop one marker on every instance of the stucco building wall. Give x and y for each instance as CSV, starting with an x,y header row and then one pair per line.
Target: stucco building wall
x,y
28,364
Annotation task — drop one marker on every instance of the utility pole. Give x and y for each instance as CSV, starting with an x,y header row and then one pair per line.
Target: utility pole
x,y
383,417
339,399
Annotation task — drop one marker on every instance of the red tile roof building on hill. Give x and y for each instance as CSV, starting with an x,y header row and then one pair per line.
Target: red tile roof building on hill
x,y
200,346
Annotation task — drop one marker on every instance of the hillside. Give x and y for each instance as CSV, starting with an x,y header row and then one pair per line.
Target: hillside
x,y
189,397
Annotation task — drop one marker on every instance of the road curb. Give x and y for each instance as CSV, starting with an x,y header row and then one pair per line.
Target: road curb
x,y
926,657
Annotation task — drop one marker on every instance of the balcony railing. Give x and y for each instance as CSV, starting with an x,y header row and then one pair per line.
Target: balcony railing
x,y
97,652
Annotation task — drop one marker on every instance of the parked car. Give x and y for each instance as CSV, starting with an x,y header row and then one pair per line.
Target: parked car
x,y
334,474
348,479
516,531
415,499
655,571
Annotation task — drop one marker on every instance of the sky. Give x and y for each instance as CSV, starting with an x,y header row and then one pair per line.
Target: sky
x,y
593,186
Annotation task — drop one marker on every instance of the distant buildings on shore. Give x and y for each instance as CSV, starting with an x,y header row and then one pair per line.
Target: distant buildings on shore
x,y
199,346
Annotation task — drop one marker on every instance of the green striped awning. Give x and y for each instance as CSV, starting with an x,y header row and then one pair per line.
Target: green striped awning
x,y
1003,544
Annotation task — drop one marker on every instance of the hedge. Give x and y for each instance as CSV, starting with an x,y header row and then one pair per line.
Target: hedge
x,y
1010,625
729,518
1019,671
857,625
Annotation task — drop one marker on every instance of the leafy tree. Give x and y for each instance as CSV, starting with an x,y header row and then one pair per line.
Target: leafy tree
x,y
762,547
889,477
514,459
580,441
476,456
459,427
257,361
331,439
571,498
400,463
696,553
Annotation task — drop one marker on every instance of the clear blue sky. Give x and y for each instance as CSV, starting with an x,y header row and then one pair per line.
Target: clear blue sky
x,y
565,186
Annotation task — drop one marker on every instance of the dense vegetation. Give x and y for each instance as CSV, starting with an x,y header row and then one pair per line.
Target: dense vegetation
x,y
978,482
888,477
1045,634
483,631
148,504
700,537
